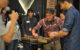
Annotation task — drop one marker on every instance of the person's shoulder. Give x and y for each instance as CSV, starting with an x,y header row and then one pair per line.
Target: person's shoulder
x,y
72,10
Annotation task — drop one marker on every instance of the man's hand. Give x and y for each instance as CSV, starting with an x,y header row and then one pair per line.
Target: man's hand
x,y
62,34
35,35
14,16
52,34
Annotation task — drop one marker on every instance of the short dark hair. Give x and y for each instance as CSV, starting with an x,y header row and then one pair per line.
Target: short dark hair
x,y
30,10
70,1
50,10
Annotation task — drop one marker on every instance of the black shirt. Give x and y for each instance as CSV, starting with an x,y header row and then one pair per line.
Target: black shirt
x,y
28,24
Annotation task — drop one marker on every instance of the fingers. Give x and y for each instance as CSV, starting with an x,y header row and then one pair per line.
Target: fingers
x,y
14,16
52,34
36,35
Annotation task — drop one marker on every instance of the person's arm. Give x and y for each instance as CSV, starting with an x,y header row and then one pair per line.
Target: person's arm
x,y
59,34
54,33
8,36
35,23
68,24
37,27
33,31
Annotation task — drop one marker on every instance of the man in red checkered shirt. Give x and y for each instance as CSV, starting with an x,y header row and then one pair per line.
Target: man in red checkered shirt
x,y
50,24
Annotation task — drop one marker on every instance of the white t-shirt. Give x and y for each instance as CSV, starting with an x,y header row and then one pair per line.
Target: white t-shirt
x,y
4,29
17,33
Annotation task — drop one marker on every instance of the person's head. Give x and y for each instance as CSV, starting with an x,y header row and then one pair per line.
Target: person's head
x,y
3,11
62,16
30,13
65,4
3,3
49,14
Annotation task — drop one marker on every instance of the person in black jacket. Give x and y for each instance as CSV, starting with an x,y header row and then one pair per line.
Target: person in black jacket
x,y
28,22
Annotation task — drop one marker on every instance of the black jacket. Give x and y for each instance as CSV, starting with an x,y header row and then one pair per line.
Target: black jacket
x,y
28,23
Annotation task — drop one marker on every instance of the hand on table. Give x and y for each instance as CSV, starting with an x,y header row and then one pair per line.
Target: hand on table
x,y
36,35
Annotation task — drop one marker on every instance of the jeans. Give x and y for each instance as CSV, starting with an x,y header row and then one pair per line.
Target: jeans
x,y
12,46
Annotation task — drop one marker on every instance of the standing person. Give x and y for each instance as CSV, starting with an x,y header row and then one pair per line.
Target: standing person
x,y
71,28
28,22
3,13
62,17
7,35
50,23
13,45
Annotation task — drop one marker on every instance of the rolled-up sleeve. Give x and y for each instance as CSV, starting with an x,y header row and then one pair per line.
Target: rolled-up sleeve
x,y
68,23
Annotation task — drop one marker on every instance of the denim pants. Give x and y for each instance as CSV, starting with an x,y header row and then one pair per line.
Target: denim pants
x,y
12,46
28,46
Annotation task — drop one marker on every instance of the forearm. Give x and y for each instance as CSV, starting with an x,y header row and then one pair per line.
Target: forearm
x,y
62,34
59,34
33,31
8,36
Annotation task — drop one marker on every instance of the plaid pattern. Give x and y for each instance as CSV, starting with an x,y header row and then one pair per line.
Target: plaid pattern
x,y
55,25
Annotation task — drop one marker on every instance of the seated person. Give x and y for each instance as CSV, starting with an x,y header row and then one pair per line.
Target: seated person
x,y
50,24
